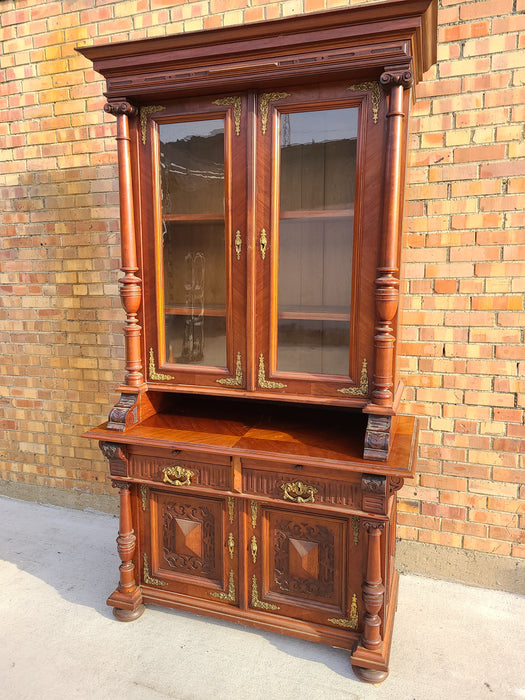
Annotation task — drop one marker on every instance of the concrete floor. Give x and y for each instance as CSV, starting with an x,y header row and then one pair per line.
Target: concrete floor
x,y
59,640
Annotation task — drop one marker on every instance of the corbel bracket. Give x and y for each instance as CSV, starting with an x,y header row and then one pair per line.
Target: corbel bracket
x,y
117,456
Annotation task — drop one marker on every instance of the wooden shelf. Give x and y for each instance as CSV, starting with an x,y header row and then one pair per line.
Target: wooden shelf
x,y
309,435
194,218
314,313
329,214
185,311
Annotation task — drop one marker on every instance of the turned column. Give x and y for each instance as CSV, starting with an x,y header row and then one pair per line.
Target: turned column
x,y
127,599
130,284
373,589
387,282
381,410
370,658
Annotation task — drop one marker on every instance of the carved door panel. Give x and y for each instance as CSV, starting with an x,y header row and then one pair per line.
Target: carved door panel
x,y
191,545
305,565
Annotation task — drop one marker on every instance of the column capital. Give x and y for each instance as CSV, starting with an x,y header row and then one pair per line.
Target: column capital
x,y
117,107
392,76
370,525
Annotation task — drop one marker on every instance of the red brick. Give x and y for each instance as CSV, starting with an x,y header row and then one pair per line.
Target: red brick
x,y
444,483
440,538
516,431
487,116
506,269
479,153
480,10
464,528
518,551
420,521
506,518
445,286
488,546
507,534
512,23
468,500
510,415
464,30
498,303
503,169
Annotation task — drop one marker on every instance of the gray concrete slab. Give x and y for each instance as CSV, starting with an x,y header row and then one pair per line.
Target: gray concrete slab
x,y
59,640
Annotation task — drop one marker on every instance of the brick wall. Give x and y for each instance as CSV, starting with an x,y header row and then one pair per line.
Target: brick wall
x,y
462,349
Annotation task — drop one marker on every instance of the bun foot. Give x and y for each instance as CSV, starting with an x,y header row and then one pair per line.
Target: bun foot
x,y
369,675
128,615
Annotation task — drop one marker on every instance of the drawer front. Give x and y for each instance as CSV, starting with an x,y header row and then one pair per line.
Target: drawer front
x,y
300,484
182,469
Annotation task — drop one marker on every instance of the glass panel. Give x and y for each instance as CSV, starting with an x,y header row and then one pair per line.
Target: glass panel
x,y
319,347
192,167
193,241
318,166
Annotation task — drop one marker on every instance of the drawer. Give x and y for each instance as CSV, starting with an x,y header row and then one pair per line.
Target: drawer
x,y
301,484
181,468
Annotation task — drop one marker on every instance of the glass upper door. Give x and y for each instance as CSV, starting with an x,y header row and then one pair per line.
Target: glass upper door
x,y
193,242
316,221
310,345
199,256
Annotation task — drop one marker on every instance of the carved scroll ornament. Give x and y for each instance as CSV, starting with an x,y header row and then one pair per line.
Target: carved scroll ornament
x,y
116,108
402,77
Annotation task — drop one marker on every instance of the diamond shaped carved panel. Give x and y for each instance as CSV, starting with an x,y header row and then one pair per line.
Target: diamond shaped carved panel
x,y
304,559
188,537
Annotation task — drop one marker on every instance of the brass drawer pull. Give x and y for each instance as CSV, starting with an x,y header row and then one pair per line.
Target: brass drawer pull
x,y
298,492
177,476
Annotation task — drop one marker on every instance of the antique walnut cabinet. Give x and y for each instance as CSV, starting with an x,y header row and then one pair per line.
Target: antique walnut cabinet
x,y
256,443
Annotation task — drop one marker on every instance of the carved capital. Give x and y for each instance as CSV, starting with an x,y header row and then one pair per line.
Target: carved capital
x,y
121,107
370,525
124,485
374,495
112,450
391,77
373,483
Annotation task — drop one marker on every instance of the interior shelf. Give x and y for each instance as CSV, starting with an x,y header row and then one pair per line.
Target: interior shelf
x,y
187,311
314,313
194,218
329,214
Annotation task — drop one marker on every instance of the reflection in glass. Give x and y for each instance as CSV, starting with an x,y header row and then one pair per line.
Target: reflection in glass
x,y
193,241
192,167
317,189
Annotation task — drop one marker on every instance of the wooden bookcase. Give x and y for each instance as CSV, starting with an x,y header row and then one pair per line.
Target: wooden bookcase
x,y
257,444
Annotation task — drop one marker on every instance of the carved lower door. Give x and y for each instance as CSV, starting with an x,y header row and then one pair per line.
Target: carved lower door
x,y
191,545
303,566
